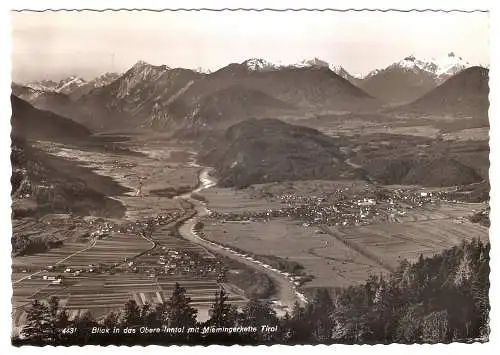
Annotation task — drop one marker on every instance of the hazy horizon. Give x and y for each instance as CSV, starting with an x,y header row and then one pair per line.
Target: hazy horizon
x,y
54,45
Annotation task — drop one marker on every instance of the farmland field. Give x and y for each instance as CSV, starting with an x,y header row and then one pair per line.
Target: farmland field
x,y
423,230
290,240
101,294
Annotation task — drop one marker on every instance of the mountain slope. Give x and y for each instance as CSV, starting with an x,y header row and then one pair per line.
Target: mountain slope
x,y
309,86
235,103
463,94
410,78
401,82
134,98
255,82
100,81
31,123
44,184
425,171
266,150
44,100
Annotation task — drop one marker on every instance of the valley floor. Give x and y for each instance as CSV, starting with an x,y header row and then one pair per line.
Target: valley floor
x,y
336,254
297,234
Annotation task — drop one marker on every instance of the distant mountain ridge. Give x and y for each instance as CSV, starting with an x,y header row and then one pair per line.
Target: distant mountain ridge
x,y
463,94
442,68
72,83
159,96
410,78
171,98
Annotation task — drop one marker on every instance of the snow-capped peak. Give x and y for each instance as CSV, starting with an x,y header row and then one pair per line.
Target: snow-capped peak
x,y
441,68
451,65
314,63
70,84
63,86
412,63
104,79
258,64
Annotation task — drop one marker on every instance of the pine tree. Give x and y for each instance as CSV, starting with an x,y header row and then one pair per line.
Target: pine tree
x,y
258,313
111,320
84,323
320,312
36,329
179,312
130,315
159,317
409,329
464,271
58,318
222,313
435,327
300,330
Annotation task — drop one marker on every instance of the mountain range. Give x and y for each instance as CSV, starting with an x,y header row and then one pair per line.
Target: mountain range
x,y
174,98
159,96
72,84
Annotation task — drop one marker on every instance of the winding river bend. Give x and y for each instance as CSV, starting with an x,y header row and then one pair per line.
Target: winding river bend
x,y
287,289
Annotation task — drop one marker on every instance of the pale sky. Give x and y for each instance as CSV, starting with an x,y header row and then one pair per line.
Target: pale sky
x,y
53,45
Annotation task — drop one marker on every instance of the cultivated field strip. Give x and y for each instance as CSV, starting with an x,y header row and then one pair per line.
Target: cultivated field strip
x,y
50,257
115,248
227,200
399,241
105,293
350,243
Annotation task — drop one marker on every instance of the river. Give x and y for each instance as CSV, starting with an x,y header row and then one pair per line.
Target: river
x,y
288,293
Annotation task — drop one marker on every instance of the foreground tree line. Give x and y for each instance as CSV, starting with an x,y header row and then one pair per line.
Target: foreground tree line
x,y
443,298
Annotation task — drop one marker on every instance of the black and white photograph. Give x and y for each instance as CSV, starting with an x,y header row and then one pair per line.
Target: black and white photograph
x,y
249,177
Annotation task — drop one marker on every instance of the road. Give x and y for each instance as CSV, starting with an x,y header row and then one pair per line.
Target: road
x,y
92,244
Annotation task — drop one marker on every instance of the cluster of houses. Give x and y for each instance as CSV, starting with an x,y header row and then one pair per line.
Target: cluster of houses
x,y
172,261
337,209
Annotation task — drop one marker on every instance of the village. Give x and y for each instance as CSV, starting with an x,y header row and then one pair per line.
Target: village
x,y
341,208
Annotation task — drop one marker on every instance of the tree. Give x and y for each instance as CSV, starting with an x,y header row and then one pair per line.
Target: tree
x,y
222,313
258,313
159,315
84,323
409,329
37,329
435,327
299,331
179,312
148,316
58,318
111,320
130,315
320,311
